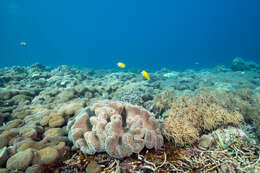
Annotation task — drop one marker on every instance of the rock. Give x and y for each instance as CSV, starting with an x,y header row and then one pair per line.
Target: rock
x,y
38,67
61,148
56,121
205,141
53,140
4,170
4,115
45,119
36,75
11,133
3,141
18,113
3,155
7,94
225,136
258,132
26,144
93,167
35,169
7,136
14,124
20,160
68,93
221,68
11,151
29,132
223,168
239,64
21,99
54,132
46,156
69,109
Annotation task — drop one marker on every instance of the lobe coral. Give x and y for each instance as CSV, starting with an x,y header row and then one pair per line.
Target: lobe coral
x,y
115,127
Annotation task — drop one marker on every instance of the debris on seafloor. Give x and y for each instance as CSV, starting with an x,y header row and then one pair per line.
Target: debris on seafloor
x,y
236,158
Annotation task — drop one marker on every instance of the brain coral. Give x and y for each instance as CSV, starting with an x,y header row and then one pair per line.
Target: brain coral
x,y
117,128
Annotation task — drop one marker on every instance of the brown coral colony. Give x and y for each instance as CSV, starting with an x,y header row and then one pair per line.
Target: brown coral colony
x,y
115,127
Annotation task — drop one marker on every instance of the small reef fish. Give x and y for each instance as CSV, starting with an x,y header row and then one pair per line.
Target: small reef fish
x,y
145,75
23,43
121,65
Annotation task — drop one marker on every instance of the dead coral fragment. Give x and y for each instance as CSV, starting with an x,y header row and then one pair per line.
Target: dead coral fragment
x,y
117,128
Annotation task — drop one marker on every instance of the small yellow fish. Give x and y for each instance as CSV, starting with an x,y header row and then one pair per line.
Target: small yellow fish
x,y
121,65
23,43
145,75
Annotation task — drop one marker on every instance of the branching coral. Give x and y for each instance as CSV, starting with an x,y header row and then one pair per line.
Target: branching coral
x,y
117,128
190,116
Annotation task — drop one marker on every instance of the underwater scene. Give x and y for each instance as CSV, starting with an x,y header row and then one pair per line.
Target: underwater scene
x,y
130,86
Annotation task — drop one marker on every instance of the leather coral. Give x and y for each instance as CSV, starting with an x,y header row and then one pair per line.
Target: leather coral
x,y
117,128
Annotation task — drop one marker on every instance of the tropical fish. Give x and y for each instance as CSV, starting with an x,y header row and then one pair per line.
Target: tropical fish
x,y
23,43
121,65
145,75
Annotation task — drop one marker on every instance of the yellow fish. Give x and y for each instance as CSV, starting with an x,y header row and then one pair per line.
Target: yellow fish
x,y
145,75
121,65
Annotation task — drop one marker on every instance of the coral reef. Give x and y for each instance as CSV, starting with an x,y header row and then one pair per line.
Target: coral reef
x,y
134,93
240,154
191,116
162,102
186,81
239,64
242,100
23,159
36,103
248,105
117,128
38,139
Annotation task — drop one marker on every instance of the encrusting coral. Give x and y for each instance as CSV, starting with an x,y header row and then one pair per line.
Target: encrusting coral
x,y
115,127
191,116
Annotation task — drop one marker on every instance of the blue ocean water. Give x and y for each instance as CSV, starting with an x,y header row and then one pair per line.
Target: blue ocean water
x,y
143,34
